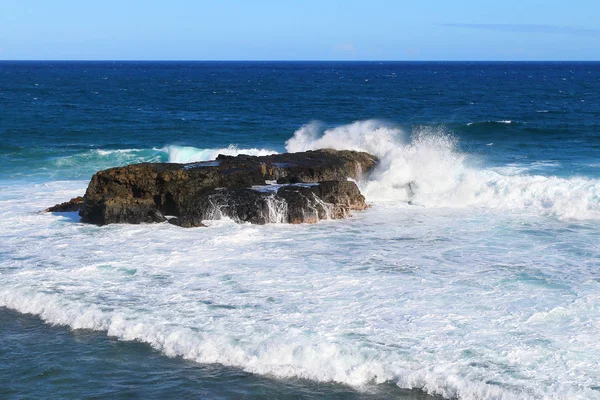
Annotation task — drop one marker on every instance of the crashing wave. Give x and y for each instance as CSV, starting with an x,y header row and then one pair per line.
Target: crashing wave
x,y
427,169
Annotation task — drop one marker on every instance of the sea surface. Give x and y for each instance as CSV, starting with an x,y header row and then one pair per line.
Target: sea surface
x,y
483,284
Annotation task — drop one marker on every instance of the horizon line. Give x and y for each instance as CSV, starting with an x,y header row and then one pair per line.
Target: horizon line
x,y
278,60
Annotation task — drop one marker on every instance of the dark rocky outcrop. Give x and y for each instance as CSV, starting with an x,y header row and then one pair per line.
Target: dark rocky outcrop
x,y
327,200
68,206
310,186
295,203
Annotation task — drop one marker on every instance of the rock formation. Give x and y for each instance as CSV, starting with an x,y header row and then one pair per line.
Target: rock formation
x,y
294,188
68,206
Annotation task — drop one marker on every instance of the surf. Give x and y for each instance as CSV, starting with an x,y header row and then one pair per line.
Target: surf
x,y
426,168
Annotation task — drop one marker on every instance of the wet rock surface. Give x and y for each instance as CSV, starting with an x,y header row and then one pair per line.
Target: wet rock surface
x,y
68,206
310,186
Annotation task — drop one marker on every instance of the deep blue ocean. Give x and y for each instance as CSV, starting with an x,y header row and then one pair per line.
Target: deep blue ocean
x,y
485,284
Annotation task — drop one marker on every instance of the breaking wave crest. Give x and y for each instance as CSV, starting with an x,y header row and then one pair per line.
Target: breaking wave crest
x,y
377,299
294,355
426,168
492,123
186,154
174,154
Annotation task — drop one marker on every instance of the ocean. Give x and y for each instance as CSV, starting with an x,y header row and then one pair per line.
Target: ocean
x,y
483,284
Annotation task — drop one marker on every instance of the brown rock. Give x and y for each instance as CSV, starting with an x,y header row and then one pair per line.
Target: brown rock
x,y
192,192
68,206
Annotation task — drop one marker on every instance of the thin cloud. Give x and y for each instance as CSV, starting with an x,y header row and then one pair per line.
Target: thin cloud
x,y
529,28
345,48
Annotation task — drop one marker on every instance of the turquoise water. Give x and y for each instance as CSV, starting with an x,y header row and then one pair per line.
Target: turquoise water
x,y
484,284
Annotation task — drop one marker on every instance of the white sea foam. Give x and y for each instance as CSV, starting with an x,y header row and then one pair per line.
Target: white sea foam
x,y
186,154
504,121
424,298
117,151
428,170
457,297
424,168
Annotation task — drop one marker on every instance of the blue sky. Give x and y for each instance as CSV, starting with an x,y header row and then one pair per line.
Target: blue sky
x,y
300,30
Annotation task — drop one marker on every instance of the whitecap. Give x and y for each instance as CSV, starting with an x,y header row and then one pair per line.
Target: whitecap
x,y
426,168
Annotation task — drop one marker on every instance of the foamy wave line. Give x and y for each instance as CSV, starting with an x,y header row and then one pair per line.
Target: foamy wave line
x,y
187,154
503,122
295,356
117,151
100,158
426,169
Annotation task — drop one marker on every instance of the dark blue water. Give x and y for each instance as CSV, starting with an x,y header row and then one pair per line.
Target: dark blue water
x,y
53,109
65,120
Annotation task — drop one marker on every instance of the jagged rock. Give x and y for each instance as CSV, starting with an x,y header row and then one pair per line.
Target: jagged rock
x,y
68,206
295,203
206,190
289,180
239,204
326,200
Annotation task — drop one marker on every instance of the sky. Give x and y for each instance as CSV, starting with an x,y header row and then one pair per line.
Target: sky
x,y
300,30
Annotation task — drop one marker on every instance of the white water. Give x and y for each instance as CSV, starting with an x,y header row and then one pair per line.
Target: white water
x,y
461,303
478,293
441,176
425,168
186,154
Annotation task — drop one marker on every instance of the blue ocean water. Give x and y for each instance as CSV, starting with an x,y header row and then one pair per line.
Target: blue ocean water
x,y
484,284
